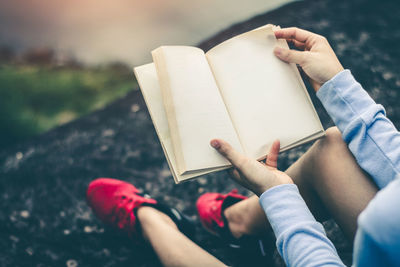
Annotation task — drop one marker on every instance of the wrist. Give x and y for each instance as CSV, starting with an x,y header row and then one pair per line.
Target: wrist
x,y
336,67
265,188
339,68
334,72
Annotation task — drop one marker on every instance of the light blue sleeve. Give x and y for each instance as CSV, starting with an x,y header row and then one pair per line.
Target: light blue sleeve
x,y
371,136
300,239
375,143
377,240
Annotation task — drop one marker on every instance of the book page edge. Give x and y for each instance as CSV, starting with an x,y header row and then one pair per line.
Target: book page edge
x,y
159,63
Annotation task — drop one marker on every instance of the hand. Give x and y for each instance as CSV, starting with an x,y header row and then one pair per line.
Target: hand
x,y
253,175
317,60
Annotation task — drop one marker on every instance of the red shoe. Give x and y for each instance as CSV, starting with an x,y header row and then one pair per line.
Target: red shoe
x,y
114,202
211,206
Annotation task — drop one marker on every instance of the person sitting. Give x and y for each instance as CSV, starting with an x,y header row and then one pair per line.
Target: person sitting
x,y
351,175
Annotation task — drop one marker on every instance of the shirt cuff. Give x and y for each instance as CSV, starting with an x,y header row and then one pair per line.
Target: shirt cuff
x,y
285,207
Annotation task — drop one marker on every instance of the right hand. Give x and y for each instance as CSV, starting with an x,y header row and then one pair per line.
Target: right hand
x,y
250,173
317,60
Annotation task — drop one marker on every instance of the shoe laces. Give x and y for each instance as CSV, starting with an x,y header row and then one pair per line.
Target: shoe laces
x,y
232,192
222,197
122,214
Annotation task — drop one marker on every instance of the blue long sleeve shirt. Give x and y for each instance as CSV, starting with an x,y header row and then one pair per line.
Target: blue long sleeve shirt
x,y
375,143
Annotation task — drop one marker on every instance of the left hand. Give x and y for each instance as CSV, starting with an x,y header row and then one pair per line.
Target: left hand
x,y
318,60
250,173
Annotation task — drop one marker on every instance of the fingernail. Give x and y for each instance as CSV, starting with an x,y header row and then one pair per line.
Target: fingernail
x,y
278,50
215,144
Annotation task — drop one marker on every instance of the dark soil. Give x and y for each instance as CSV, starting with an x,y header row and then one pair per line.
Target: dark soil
x,y
44,219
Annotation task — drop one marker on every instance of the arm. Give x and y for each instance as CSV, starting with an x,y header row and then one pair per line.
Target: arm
x,y
372,138
301,240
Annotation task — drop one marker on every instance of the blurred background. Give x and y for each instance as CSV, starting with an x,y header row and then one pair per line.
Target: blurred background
x,y
59,60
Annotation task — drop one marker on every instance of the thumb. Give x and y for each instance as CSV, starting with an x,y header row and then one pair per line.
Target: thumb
x,y
272,157
226,150
289,55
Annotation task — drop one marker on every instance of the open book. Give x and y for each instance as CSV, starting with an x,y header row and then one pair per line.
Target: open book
x,y
237,91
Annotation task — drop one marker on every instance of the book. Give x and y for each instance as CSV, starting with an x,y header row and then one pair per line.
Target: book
x,y
238,91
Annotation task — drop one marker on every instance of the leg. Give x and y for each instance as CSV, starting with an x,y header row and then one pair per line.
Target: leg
x,y
329,180
172,247
115,201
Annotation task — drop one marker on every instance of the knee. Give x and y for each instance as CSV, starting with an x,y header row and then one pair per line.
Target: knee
x,y
330,147
333,137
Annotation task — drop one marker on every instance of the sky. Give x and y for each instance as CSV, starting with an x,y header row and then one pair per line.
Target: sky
x,y
98,31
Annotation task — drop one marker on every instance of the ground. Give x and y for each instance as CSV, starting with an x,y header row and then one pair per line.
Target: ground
x,y
44,217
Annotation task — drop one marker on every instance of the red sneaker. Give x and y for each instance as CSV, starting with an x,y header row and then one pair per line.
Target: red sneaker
x,y
211,206
115,202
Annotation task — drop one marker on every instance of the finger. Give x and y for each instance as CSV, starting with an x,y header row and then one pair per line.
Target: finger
x,y
294,33
316,85
297,44
234,173
308,38
289,55
228,152
272,157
